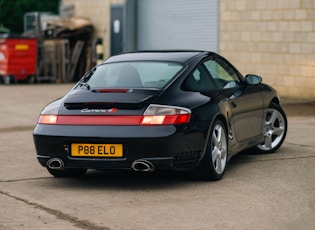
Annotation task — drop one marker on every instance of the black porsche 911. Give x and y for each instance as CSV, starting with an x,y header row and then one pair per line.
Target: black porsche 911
x,y
180,110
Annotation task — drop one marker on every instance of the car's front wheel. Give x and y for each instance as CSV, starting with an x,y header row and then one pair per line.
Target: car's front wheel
x,y
212,166
67,172
275,129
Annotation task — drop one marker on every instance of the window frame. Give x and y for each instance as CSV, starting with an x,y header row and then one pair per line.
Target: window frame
x,y
236,77
201,65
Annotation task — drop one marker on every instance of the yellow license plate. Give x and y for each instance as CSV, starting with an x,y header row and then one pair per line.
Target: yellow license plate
x,y
97,150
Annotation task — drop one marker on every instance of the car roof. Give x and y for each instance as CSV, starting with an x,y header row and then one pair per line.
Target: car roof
x,y
158,55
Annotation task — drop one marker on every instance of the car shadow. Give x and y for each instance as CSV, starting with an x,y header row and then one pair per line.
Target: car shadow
x,y
126,180
251,156
299,109
131,180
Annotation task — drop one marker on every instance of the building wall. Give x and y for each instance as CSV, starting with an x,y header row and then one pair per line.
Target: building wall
x,y
98,11
275,39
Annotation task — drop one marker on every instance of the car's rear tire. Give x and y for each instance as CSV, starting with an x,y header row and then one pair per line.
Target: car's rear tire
x,y
213,164
275,129
67,172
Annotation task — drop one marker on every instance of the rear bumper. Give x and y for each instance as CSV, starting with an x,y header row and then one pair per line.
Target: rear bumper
x,y
166,147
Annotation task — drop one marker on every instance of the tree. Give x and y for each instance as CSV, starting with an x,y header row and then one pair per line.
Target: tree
x,y
12,12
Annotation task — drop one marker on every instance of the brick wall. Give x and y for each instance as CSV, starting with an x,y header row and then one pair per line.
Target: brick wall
x,y
274,39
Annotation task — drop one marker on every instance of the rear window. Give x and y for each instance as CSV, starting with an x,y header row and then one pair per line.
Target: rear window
x,y
133,75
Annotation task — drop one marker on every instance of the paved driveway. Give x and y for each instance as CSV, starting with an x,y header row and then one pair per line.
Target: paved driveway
x,y
275,191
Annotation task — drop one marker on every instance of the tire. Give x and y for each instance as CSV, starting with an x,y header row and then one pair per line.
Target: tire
x,y
212,166
275,130
67,172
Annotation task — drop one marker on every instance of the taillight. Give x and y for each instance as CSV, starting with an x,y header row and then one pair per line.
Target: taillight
x,y
165,115
49,114
48,119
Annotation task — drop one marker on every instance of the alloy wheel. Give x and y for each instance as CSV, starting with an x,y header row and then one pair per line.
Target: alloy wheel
x,y
219,149
275,128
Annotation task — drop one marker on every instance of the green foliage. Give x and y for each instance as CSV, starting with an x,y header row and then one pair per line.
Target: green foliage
x,y
12,11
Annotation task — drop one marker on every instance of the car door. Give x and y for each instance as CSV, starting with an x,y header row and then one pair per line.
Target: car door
x,y
246,102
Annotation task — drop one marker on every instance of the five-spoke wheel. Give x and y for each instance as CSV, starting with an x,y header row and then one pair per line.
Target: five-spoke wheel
x,y
212,166
275,129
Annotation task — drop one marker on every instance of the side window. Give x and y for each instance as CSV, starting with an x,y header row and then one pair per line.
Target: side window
x,y
200,80
196,75
222,73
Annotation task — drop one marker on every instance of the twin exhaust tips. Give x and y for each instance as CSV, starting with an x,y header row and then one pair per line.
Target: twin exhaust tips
x,y
142,166
137,165
55,163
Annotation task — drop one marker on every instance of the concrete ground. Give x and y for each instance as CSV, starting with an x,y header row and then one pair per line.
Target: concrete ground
x,y
274,191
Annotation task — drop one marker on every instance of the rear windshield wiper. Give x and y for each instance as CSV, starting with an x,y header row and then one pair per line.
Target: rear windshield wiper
x,y
84,84
88,75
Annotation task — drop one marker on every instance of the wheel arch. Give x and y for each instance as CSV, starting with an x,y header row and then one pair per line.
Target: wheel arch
x,y
275,100
223,119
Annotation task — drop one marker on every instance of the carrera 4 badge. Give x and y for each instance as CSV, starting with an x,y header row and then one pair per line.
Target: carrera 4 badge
x,y
113,110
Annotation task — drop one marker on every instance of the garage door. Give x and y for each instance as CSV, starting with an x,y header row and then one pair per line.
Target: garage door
x,y
177,24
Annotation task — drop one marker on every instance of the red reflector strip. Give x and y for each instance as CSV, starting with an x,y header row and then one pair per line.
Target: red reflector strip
x,y
99,120
89,120
114,120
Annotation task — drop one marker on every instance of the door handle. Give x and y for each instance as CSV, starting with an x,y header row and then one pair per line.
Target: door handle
x,y
233,104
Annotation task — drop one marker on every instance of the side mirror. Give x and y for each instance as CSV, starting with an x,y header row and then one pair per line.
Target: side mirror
x,y
252,79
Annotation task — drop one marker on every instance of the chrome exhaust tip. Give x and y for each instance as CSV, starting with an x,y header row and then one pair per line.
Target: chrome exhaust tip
x,y
55,163
142,166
